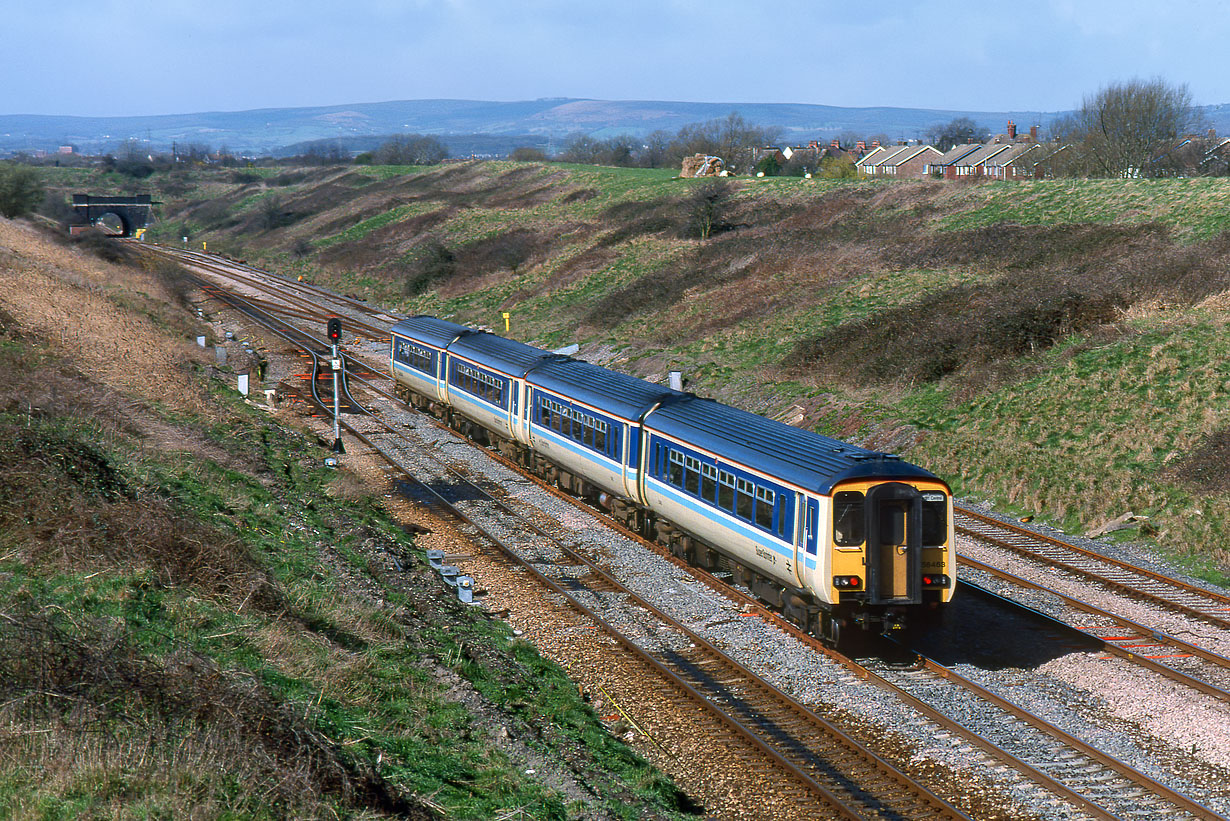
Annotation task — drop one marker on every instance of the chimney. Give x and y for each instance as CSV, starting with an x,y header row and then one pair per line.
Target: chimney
x,y
875,143
862,145
1033,133
1011,130
836,143
1212,135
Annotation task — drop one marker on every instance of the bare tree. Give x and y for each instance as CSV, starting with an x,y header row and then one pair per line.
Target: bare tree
x,y
955,132
410,149
1128,129
655,150
581,148
706,207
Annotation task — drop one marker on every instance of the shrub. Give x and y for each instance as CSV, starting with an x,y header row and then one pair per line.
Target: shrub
x,y
21,190
707,206
431,263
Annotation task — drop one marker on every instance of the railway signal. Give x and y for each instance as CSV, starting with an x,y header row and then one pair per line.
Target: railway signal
x,y
334,331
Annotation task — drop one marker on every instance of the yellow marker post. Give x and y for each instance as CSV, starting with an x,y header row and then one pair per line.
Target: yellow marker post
x,y
506,315
203,246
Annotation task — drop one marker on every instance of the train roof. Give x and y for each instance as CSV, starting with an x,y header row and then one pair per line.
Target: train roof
x,y
429,329
611,391
498,353
801,457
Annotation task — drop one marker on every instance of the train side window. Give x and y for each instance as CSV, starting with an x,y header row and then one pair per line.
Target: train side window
x,y
764,508
934,518
692,480
726,491
745,501
675,469
600,436
708,482
848,518
589,434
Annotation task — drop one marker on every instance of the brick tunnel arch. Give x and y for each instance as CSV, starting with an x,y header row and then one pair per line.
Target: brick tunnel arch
x,y
133,213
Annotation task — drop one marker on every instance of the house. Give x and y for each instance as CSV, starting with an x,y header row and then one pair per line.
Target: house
x,y
973,163
1217,159
939,166
1018,162
878,154
912,163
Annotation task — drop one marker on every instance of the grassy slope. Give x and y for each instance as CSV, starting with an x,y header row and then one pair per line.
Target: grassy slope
x,y
1076,411
183,628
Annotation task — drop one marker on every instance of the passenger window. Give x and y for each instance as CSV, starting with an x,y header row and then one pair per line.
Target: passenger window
x,y
675,469
848,518
708,483
600,437
934,518
745,502
726,491
764,508
692,480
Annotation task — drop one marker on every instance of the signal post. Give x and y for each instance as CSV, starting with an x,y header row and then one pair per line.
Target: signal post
x,y
334,329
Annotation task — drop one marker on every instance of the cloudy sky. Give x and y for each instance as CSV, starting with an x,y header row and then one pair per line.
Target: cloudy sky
x,y
107,57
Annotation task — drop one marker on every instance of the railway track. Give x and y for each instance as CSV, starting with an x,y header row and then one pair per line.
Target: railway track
x,y
1098,786
825,762
822,762
1146,585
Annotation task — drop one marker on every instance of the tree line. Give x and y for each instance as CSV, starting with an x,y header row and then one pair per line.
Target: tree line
x,y
732,138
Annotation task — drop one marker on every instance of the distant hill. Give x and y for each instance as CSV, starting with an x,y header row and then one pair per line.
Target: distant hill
x,y
270,129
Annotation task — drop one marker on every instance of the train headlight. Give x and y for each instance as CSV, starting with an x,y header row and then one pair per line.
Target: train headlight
x,y
936,580
847,582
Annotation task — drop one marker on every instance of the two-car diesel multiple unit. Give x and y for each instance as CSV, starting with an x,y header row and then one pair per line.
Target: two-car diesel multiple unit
x,y
834,535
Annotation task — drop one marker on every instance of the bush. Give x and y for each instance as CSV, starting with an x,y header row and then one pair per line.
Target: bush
x,y
21,190
707,206
527,153
432,262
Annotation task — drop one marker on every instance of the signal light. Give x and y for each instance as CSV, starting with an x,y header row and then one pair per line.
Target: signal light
x,y
335,330
935,580
847,582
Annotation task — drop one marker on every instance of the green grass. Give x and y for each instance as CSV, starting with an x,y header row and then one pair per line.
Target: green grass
x,y
1194,208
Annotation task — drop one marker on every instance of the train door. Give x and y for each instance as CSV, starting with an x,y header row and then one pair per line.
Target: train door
x,y
806,559
442,378
893,525
514,395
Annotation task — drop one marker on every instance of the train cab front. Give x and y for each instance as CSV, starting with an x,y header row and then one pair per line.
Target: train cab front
x,y
893,556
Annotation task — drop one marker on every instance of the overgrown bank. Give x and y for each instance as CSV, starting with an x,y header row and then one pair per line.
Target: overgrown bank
x,y
198,618
958,323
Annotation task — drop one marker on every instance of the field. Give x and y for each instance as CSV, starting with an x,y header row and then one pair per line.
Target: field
x,y
1057,347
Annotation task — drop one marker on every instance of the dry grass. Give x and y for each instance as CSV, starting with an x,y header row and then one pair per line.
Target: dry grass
x,y
105,723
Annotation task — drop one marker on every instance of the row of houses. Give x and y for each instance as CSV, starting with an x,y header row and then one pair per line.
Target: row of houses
x,y
999,161
1007,156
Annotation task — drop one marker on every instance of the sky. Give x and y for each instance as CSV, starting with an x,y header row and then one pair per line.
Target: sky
x,y
111,58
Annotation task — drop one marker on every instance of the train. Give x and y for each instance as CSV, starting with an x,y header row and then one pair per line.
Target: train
x,y
844,541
